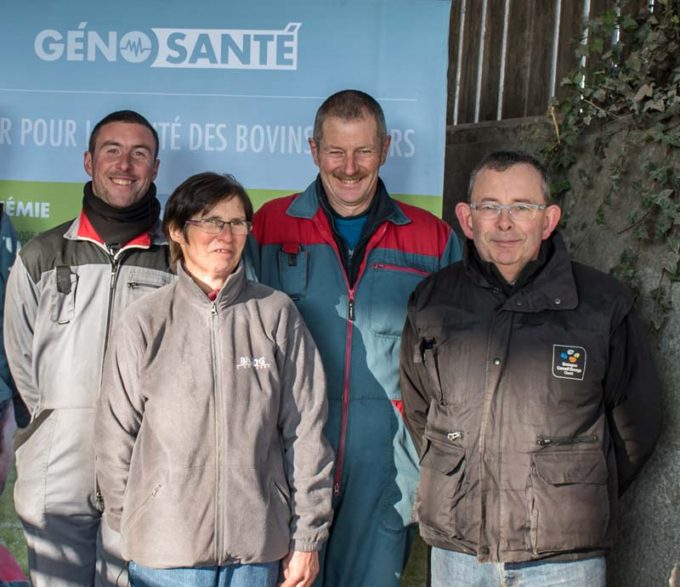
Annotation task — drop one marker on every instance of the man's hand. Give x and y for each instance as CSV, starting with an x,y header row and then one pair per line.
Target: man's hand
x,y
299,568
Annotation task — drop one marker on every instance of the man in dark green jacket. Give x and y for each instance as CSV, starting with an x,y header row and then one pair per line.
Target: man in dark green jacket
x,y
529,391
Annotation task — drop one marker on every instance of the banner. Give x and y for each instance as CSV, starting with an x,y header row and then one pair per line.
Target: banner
x,y
230,87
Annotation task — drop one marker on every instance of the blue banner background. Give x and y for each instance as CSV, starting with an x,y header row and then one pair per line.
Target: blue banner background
x,y
66,64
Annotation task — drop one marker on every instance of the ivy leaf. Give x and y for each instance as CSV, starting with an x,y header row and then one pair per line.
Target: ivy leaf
x,y
600,95
629,24
658,105
634,62
597,44
645,91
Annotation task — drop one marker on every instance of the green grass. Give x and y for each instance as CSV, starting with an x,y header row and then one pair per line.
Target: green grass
x,y
11,534
416,570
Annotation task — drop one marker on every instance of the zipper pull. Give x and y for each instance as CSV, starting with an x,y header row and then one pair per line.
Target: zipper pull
x,y
213,309
454,435
350,310
544,441
336,488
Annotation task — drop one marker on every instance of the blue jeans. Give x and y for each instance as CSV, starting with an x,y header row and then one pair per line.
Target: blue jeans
x,y
253,575
454,569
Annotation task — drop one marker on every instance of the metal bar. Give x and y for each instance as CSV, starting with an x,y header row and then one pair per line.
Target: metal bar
x,y
459,59
504,52
480,60
552,90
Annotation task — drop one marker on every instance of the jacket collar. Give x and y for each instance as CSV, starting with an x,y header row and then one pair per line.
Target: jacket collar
x,y
307,205
551,288
227,296
82,229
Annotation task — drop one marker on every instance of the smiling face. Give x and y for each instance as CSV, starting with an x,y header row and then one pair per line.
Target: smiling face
x,y
123,164
349,156
502,240
211,258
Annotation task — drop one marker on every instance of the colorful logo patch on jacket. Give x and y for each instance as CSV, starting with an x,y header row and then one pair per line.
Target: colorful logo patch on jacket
x,y
569,362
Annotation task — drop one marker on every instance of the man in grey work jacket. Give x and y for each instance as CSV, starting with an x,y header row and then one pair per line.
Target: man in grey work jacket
x,y
529,390
65,293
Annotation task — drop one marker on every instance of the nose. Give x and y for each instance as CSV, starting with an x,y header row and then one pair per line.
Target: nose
x,y
225,233
125,160
349,168
504,220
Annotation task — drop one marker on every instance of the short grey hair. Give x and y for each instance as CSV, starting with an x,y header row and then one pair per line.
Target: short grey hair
x,y
350,105
502,160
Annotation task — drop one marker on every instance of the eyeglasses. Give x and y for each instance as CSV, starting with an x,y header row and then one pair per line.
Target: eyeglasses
x,y
216,226
522,211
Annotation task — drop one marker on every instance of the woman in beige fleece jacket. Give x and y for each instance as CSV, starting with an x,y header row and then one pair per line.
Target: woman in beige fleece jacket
x,y
210,456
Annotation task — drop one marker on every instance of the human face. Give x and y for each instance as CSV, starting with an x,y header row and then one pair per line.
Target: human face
x,y
349,156
504,241
211,258
123,164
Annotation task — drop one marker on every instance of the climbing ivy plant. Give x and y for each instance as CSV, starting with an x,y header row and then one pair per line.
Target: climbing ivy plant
x,y
628,82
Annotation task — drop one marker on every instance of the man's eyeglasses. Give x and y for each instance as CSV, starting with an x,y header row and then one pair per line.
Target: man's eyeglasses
x,y
216,226
521,211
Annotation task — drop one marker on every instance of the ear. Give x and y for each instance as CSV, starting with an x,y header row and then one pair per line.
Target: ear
x,y
177,235
314,148
464,215
87,163
385,149
552,217
156,163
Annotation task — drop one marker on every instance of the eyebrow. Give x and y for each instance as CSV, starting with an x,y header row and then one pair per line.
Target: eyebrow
x,y
525,200
115,143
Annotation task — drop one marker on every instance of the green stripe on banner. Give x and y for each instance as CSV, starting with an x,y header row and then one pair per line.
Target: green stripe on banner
x,y
35,206
430,203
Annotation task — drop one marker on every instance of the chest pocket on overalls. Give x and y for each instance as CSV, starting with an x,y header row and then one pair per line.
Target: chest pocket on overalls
x,y
292,262
63,295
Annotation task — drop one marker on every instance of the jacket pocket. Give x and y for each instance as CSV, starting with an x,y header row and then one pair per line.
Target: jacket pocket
x,y
568,500
136,515
292,264
140,281
63,304
283,493
442,484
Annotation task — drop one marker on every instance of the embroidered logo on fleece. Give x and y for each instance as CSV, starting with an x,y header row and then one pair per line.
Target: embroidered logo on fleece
x,y
252,363
569,362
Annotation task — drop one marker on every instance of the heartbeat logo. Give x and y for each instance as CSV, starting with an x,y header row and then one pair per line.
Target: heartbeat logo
x,y
135,47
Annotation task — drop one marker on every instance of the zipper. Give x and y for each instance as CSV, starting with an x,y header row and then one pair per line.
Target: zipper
x,y
345,409
350,306
113,279
562,440
377,235
438,435
136,284
144,506
390,267
219,501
